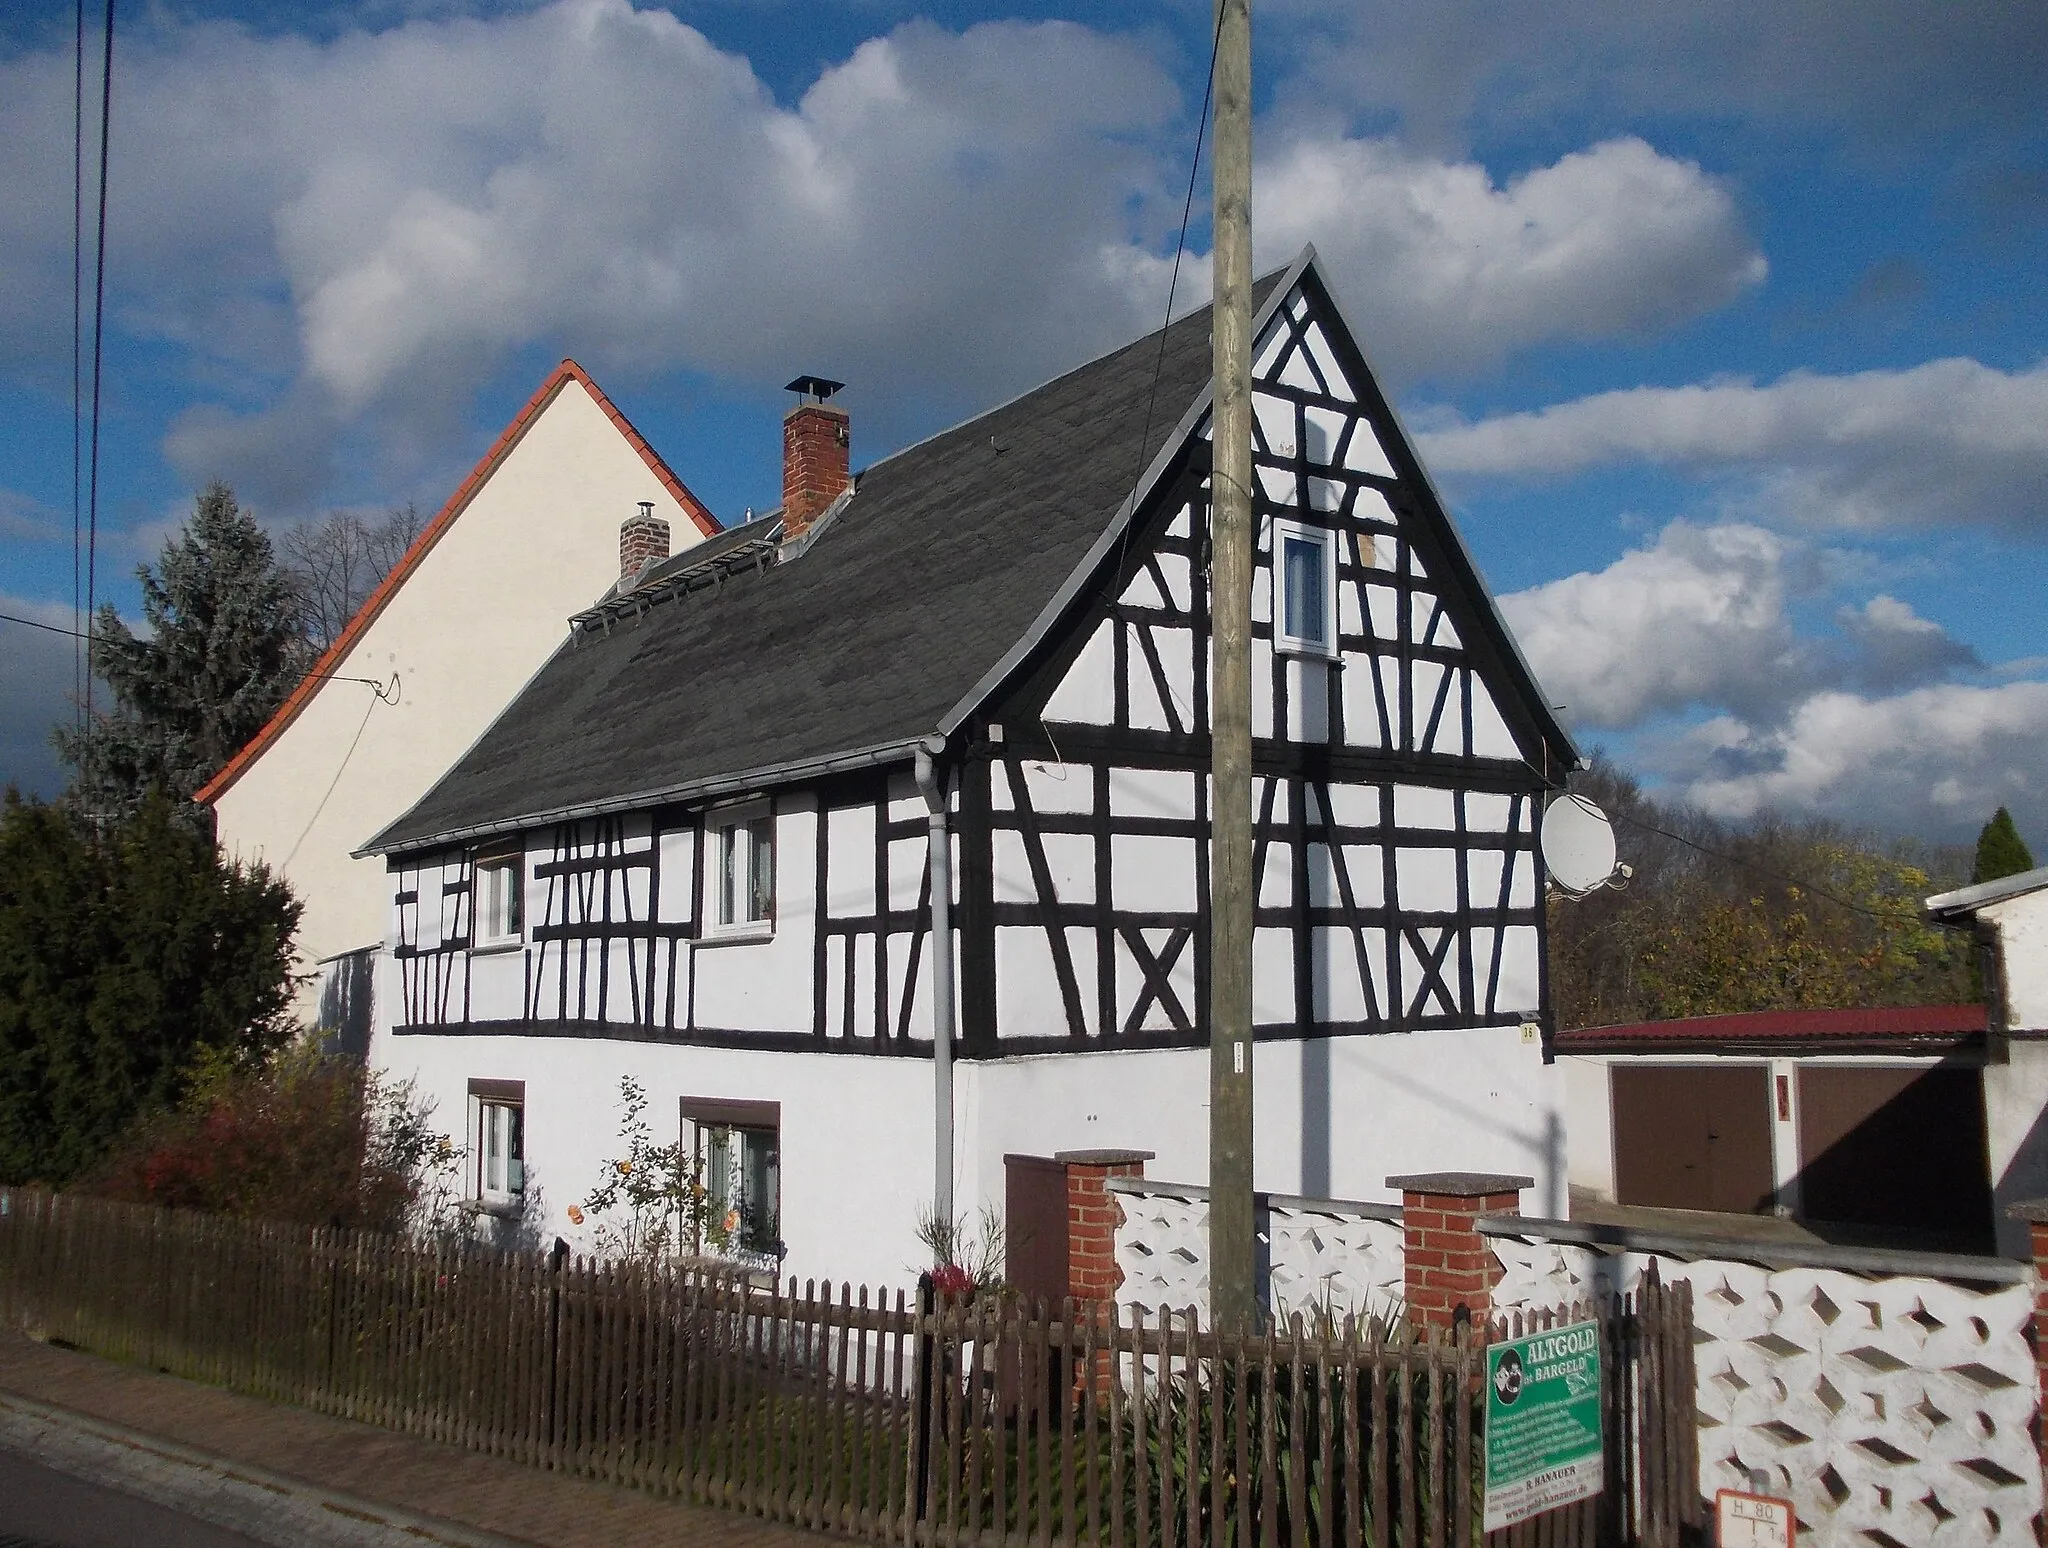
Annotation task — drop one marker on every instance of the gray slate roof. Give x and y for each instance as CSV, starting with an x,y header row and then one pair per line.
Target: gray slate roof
x,y
939,564
1967,900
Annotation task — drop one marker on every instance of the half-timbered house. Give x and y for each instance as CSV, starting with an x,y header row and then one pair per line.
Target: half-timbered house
x,y
696,850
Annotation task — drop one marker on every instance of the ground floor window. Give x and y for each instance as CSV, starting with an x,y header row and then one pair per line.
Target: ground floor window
x,y
497,1140
738,1152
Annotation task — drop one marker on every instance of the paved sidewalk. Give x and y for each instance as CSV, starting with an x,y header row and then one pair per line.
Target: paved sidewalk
x,y
355,1463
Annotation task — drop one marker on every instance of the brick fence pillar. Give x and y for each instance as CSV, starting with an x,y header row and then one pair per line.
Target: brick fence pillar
x,y
2035,1213
1448,1264
1093,1215
1092,1219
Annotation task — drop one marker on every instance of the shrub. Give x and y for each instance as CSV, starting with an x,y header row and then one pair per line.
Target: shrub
x,y
311,1140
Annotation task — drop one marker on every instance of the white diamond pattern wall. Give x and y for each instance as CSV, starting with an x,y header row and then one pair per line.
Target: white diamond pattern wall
x,y
1889,1409
1325,1259
1328,1262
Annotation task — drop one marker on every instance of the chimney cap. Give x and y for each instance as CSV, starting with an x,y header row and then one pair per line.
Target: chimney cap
x,y
814,389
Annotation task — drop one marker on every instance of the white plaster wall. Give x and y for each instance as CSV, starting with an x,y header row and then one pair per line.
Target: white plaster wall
x,y
477,618
2023,941
764,985
1424,1101
1588,1124
856,1132
2016,1134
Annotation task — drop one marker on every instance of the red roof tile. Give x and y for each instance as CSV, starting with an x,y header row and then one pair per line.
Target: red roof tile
x,y
1907,1022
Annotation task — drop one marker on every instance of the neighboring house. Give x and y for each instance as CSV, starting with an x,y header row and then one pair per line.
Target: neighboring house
x,y
1886,1122
697,849
2009,918
474,607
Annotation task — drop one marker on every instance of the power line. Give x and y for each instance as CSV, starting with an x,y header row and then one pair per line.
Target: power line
x,y
1173,284
1751,865
99,318
386,691
78,661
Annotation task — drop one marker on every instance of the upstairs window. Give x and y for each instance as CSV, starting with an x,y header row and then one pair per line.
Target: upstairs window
x,y
1304,589
741,855
497,1133
499,902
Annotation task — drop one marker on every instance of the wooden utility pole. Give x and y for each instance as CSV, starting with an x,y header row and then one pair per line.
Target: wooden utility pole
x,y
1232,1301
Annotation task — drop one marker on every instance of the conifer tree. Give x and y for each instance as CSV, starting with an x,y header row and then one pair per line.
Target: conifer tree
x,y
225,646
2000,850
128,949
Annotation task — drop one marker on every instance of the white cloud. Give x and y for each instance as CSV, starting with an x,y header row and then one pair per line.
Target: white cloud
x,y
1950,442
1454,271
354,232
1698,617
1937,760
1889,646
1704,617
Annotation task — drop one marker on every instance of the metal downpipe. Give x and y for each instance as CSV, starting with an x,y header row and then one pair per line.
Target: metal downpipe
x,y
942,981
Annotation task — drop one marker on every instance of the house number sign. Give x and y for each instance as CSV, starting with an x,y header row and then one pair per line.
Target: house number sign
x,y
1751,1520
1543,1441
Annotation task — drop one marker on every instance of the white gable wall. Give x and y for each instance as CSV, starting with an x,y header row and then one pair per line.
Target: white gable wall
x,y
2016,1092
483,610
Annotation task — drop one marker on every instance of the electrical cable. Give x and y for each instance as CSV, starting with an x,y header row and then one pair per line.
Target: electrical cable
x,y
1172,285
99,317
79,665
388,692
1784,876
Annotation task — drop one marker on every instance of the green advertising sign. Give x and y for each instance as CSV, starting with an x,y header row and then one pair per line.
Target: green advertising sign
x,y
1542,1422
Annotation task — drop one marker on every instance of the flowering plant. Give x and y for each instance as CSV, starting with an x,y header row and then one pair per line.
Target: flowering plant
x,y
651,1202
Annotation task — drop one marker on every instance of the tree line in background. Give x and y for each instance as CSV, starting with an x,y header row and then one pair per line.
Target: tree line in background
x,y
146,1043
1774,913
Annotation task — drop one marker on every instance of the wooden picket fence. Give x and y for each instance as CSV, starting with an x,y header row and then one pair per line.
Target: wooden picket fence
x,y
991,1424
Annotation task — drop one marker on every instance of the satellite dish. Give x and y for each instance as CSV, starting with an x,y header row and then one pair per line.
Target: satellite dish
x,y
1578,844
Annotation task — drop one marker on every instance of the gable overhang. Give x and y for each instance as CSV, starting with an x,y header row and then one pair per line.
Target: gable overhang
x,y
1561,754
1962,904
324,669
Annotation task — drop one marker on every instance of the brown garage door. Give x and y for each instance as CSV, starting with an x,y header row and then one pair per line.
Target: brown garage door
x,y
1693,1137
1899,1148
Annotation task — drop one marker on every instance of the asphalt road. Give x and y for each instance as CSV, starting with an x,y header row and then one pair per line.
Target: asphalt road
x,y
43,1508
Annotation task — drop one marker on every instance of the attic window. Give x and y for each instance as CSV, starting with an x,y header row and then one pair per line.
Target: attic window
x,y
1304,589
499,902
740,851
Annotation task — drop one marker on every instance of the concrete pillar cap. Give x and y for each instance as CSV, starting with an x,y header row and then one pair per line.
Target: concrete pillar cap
x,y
1461,1185
1103,1157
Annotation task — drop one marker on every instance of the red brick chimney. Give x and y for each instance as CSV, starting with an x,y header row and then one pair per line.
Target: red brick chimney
x,y
642,539
817,444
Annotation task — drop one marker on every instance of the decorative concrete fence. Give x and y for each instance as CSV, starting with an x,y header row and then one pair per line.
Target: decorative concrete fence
x,y
1891,1396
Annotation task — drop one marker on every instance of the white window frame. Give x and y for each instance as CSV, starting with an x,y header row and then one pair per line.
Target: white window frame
x,y
490,929
1325,541
717,1137
497,1133
725,827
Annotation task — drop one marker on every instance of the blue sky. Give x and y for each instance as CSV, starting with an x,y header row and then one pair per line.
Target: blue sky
x,y
1723,327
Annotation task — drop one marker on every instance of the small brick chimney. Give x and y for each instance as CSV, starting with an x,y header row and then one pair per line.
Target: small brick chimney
x,y
816,455
643,539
